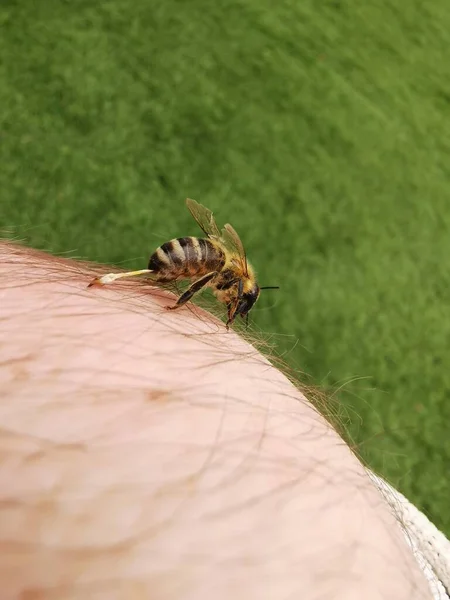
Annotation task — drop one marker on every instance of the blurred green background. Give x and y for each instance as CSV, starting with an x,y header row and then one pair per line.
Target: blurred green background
x,y
319,129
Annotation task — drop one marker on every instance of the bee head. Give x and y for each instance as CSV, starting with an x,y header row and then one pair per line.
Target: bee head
x,y
247,301
244,305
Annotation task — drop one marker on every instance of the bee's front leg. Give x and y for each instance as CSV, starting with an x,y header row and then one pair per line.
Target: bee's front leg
x,y
231,313
192,289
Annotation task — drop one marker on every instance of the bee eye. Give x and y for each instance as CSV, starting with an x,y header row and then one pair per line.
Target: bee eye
x,y
247,302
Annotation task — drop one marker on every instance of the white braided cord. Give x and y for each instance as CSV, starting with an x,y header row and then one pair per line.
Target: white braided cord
x,y
429,545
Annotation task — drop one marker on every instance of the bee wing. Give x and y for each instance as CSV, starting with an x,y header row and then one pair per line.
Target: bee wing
x,y
231,240
228,236
204,218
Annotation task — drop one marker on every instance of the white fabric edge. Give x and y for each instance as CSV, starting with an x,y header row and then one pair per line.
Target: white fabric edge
x,y
429,545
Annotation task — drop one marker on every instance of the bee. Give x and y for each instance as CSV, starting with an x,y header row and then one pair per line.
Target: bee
x,y
218,261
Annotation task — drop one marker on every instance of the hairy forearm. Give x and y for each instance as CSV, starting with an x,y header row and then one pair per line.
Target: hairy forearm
x,y
153,454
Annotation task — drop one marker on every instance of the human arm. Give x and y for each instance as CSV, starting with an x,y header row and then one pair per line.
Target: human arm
x,y
147,453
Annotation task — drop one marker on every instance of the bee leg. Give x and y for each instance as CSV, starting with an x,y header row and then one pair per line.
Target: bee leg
x,y
193,289
230,318
110,277
232,307
229,322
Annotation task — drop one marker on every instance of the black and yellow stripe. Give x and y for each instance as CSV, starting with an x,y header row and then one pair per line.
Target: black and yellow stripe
x,y
186,257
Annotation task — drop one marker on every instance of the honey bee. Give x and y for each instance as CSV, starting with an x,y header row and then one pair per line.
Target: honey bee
x,y
218,261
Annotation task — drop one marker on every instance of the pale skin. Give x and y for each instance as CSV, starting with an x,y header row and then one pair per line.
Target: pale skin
x,y
152,454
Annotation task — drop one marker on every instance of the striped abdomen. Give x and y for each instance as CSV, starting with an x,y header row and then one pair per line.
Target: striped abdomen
x,y
186,257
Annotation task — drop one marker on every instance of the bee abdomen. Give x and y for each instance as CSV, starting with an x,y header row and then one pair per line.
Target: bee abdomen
x,y
186,257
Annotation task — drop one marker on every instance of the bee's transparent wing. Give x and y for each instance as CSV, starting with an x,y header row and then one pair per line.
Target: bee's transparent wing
x,y
231,240
228,236
204,218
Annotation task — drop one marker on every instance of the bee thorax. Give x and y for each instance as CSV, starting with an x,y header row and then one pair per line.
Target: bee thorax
x,y
225,296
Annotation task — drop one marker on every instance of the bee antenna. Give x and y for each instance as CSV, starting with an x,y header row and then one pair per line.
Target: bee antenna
x,y
270,287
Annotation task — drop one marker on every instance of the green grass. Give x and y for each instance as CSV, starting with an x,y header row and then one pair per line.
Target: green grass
x,y
321,130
